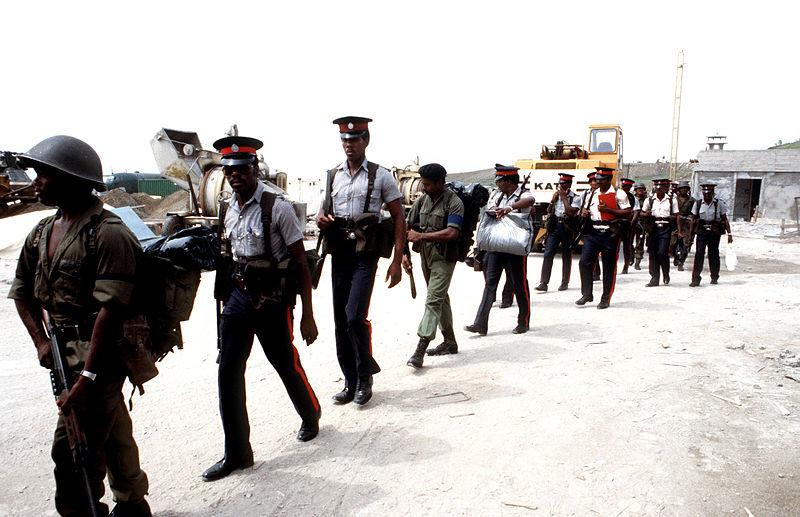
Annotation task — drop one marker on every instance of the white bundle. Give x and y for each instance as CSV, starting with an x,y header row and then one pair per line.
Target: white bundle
x,y
731,261
511,234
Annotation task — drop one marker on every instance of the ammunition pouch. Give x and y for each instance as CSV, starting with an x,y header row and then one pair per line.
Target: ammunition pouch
x,y
135,345
269,282
370,233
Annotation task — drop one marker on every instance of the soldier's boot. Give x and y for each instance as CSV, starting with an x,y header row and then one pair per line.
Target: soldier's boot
x,y
680,266
419,354
138,508
583,300
541,287
695,282
636,265
625,269
714,281
444,348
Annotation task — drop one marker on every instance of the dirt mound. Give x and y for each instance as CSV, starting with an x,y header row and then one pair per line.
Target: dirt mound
x,y
21,208
118,197
175,202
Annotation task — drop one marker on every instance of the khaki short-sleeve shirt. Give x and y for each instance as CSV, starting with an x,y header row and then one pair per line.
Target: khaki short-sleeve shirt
x,y
78,281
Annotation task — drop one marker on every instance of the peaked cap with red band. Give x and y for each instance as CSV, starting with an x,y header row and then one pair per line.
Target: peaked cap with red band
x,y
661,182
238,150
627,181
591,175
352,127
503,171
565,178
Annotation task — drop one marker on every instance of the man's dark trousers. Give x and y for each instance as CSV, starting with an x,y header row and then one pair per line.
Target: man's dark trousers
x,y
353,276
606,245
658,252
273,326
706,239
558,239
494,264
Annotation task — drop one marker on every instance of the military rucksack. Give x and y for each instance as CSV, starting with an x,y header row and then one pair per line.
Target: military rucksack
x,y
474,197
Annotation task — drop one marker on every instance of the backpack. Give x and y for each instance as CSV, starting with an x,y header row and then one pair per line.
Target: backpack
x,y
163,297
474,197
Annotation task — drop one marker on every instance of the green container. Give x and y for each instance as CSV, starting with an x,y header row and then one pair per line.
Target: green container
x,y
157,187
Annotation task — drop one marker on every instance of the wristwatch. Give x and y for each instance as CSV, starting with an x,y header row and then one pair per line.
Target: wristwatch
x,y
89,375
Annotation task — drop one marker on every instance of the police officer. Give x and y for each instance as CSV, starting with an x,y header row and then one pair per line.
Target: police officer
x,y
710,219
626,233
434,223
508,197
637,226
580,203
261,236
685,205
559,233
356,188
79,265
604,206
661,211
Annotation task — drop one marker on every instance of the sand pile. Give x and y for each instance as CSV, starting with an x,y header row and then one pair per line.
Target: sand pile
x,y
175,202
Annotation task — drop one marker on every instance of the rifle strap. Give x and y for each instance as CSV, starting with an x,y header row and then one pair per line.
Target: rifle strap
x,y
267,203
327,206
224,245
372,173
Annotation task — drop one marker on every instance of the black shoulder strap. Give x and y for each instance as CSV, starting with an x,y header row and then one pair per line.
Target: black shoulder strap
x,y
327,206
372,173
591,196
224,245
267,202
716,203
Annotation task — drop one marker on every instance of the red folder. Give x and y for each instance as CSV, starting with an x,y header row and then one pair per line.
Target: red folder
x,y
610,200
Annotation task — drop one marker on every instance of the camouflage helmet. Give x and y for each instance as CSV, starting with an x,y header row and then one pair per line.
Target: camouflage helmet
x,y
69,155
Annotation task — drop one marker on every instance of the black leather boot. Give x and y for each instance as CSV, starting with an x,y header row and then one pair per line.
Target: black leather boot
x,y
419,354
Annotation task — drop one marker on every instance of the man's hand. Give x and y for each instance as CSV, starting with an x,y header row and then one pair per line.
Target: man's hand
x,y
394,274
413,236
585,212
44,353
324,221
77,396
308,328
406,264
502,212
730,238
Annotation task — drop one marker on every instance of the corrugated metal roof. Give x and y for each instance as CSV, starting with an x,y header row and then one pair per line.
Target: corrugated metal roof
x,y
767,160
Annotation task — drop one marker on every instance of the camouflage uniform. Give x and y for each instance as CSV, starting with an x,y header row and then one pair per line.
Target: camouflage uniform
x,y
93,265
438,260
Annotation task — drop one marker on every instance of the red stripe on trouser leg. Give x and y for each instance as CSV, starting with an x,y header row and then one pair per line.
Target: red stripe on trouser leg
x,y
526,288
614,277
297,366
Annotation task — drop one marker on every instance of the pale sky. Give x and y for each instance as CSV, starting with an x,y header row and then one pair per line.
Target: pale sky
x,y
465,84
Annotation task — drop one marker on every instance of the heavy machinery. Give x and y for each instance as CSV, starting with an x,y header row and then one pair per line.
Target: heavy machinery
x,y
15,184
181,158
604,148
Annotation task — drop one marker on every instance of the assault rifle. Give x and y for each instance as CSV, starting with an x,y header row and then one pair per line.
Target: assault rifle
x,y
62,382
410,270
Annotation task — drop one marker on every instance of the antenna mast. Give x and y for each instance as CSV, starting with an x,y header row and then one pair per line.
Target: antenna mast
x,y
676,119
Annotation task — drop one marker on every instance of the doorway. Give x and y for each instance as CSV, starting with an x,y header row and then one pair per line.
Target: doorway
x,y
747,198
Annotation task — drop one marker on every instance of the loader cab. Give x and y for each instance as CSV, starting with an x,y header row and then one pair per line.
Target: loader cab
x,y
605,143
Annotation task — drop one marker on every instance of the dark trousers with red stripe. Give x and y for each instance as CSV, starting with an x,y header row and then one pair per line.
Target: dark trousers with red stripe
x,y
494,264
353,276
606,245
658,252
559,239
274,327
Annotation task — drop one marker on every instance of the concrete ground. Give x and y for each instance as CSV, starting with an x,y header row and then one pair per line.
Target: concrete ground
x,y
675,401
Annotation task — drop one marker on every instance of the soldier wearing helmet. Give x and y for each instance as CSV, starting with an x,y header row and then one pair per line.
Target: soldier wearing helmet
x,y
79,266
